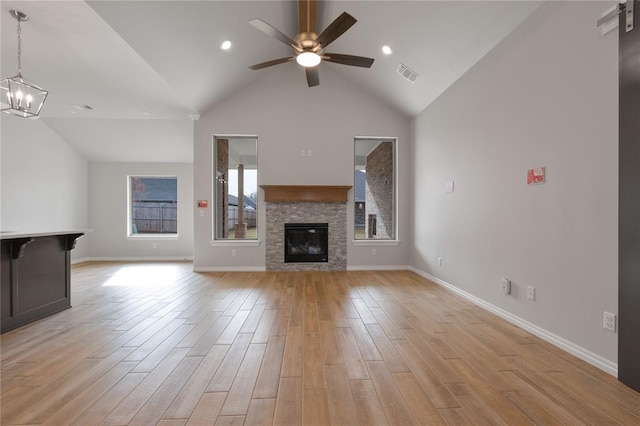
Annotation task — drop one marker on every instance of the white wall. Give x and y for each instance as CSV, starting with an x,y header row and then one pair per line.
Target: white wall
x,y
287,116
546,96
108,212
44,181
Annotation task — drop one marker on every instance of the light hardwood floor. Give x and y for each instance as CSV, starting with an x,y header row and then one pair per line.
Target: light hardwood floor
x,y
159,344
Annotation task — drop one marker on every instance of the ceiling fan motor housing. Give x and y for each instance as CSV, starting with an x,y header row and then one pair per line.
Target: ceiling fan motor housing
x,y
306,42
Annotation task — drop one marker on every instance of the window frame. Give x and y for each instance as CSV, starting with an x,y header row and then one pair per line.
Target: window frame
x,y
215,239
392,241
149,237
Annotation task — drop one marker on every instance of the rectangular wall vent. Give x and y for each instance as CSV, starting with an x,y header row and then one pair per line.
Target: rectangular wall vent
x,y
408,74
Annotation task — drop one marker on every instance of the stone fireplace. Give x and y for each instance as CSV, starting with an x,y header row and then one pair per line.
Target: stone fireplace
x,y
296,205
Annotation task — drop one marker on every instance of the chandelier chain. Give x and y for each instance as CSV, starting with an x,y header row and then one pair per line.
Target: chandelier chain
x,y
19,48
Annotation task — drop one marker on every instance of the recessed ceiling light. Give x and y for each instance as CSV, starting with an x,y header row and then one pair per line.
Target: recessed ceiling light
x,y
386,50
146,113
226,45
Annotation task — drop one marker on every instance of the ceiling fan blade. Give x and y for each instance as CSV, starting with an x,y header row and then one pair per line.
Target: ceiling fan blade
x,y
272,32
341,24
307,16
356,61
313,77
272,63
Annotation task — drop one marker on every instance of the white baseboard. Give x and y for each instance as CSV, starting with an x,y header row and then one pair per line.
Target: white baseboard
x,y
80,260
378,267
135,259
564,344
229,269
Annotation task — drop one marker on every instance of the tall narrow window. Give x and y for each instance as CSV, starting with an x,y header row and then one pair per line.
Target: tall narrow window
x,y
236,187
374,188
153,205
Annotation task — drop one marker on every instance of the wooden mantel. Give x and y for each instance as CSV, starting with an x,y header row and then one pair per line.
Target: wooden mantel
x,y
306,193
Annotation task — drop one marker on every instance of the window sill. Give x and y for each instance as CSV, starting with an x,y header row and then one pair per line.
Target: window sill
x,y
152,237
375,243
236,243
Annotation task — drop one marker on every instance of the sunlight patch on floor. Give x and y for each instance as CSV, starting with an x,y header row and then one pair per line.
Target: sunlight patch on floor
x,y
144,276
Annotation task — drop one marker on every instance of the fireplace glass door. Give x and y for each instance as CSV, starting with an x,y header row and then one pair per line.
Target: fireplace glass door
x,y
306,242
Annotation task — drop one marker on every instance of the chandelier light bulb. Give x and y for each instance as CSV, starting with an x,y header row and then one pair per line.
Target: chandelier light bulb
x,y
308,59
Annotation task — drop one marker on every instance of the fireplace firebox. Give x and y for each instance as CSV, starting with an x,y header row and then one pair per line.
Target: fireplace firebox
x,y
306,242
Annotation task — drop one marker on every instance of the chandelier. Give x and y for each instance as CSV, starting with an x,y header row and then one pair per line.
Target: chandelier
x,y
17,95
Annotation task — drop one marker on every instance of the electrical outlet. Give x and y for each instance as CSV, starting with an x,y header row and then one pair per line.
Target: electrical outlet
x,y
506,286
439,261
531,293
303,153
233,252
154,245
609,321
374,252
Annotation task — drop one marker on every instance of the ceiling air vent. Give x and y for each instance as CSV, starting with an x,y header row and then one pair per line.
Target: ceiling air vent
x,y
408,74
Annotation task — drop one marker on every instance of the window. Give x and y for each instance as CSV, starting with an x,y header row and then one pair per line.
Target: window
x,y
374,189
236,188
153,205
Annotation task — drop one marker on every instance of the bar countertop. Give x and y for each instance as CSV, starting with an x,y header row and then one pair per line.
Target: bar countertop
x,y
9,235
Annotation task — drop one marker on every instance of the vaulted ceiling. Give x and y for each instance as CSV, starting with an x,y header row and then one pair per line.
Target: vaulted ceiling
x,y
147,67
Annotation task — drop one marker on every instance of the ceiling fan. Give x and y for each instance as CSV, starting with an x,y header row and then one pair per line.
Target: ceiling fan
x,y
308,46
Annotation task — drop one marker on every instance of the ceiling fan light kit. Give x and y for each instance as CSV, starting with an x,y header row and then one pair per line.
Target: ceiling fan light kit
x,y
308,59
308,46
17,95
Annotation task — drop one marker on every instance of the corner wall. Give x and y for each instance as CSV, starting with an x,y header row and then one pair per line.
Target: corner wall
x,y
547,96
43,181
